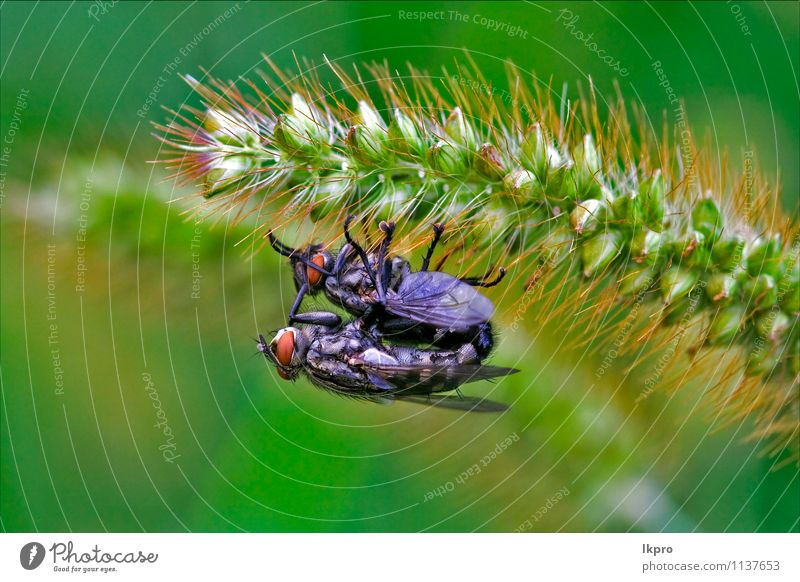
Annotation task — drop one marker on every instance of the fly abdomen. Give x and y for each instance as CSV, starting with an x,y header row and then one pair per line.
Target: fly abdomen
x,y
411,356
479,337
468,354
326,369
483,339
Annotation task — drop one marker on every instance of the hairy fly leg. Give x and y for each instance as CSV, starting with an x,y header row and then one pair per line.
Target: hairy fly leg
x,y
323,318
310,269
438,230
482,282
384,266
359,250
296,256
297,301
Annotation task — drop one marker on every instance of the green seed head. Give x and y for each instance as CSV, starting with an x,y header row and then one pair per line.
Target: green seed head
x,y
721,287
489,163
637,278
760,291
648,206
773,325
230,128
763,255
676,282
645,245
365,146
599,251
728,252
520,182
587,215
535,151
586,171
331,193
461,131
226,173
447,159
707,219
726,324
790,300
405,136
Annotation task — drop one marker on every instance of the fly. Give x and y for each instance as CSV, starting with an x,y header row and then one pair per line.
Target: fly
x,y
422,306
351,360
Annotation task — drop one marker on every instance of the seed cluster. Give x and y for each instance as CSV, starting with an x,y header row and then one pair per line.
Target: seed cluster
x,y
524,175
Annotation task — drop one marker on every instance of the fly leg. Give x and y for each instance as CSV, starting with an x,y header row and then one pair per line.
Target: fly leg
x,y
359,250
438,229
297,301
482,282
378,309
280,247
341,259
383,265
371,316
307,262
293,255
305,258
325,318
288,251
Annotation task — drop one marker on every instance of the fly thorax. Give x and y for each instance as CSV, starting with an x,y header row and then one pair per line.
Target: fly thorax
x,y
354,279
399,269
333,290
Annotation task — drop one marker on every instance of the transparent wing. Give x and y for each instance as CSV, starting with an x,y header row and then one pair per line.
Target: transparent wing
x,y
410,380
465,403
439,300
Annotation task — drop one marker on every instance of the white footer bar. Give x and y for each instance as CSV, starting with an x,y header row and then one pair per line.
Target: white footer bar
x,y
402,557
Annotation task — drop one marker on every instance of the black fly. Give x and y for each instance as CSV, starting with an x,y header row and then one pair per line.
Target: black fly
x,y
351,360
421,306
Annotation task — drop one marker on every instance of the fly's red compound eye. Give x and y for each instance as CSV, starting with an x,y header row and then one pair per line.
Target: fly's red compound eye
x,y
283,348
314,276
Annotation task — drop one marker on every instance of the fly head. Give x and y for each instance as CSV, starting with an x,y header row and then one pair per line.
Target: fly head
x,y
286,350
309,265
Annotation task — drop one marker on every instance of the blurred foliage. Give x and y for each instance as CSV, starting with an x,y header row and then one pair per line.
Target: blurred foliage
x,y
257,453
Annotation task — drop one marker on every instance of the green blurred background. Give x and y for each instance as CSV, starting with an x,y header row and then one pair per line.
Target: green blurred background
x,y
83,438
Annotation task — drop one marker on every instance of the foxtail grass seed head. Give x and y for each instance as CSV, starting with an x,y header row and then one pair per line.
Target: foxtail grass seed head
x,y
529,182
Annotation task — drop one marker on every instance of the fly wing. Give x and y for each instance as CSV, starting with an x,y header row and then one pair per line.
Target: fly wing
x,y
429,379
439,300
465,403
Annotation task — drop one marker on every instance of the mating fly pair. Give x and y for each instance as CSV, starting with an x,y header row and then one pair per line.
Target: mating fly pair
x,y
389,301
